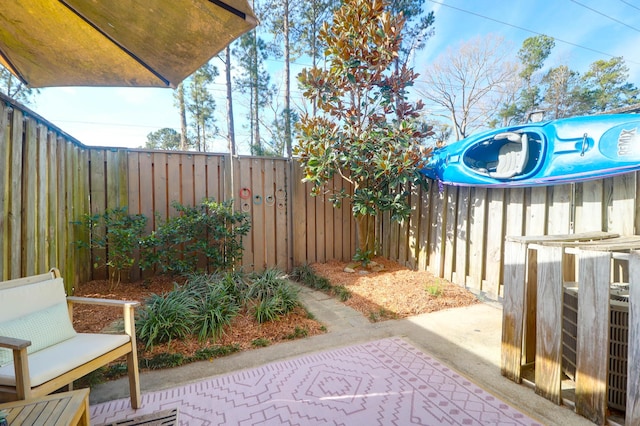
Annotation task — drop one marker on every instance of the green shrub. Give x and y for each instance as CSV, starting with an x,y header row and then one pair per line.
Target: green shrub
x,y
114,236
166,317
210,232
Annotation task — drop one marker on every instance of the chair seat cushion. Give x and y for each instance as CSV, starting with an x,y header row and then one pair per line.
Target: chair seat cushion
x,y
55,360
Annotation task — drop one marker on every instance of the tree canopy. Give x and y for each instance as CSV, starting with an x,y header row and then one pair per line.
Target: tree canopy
x,y
366,131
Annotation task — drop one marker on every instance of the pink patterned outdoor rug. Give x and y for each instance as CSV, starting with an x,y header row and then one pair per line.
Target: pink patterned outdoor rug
x,y
385,382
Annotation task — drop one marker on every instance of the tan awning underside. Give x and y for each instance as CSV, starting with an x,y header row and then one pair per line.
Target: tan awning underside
x,y
47,44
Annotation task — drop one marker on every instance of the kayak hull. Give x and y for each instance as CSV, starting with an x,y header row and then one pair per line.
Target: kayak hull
x,y
539,154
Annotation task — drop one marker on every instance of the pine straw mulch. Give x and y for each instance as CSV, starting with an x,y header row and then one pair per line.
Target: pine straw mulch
x,y
395,292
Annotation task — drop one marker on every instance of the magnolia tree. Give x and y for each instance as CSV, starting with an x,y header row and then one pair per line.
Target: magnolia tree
x,y
365,130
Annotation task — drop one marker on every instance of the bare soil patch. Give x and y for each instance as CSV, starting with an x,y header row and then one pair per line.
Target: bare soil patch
x,y
394,292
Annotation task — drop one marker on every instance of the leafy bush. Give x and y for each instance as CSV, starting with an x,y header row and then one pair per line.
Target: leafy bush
x,y
118,235
209,232
166,317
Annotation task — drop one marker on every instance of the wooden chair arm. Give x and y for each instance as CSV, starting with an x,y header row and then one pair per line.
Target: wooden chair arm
x,y
103,302
13,343
127,310
20,364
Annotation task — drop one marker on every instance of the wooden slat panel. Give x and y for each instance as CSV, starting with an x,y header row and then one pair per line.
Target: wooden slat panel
x,y
330,226
269,209
536,217
311,221
246,206
146,196
549,319
281,205
133,202
385,224
42,201
15,206
300,218
200,179
403,241
438,225
187,180
320,230
98,201
174,184
29,199
531,307
215,179
450,233
69,267
338,233
592,348
84,176
425,227
160,199
53,204
5,189
588,216
394,239
495,240
462,237
414,227
258,216
632,416
513,310
477,232
622,206
559,211
63,239
112,179
514,217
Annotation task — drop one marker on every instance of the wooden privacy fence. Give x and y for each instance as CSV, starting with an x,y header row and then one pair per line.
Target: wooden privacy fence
x,y
458,233
49,180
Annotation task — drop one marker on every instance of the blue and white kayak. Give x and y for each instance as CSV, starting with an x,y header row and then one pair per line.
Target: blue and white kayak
x,y
545,153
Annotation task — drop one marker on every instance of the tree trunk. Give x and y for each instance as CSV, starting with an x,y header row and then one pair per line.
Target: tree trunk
x,y
366,233
287,81
183,118
231,135
256,96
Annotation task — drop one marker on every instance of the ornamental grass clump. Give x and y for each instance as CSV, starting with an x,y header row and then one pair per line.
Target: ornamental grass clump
x,y
207,303
272,296
166,317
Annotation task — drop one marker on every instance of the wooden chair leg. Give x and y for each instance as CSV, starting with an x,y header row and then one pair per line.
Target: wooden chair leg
x,y
134,379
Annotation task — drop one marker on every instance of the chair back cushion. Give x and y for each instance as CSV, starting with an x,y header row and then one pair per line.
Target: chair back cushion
x,y
36,312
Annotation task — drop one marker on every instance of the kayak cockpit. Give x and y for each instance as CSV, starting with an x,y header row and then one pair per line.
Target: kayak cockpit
x,y
504,156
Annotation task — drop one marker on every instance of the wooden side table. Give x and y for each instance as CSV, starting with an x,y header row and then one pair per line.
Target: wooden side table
x,y
60,409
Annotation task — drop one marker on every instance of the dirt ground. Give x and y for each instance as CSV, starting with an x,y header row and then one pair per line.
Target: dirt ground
x,y
394,292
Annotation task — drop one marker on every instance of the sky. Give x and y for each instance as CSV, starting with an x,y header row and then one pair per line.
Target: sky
x,y
584,31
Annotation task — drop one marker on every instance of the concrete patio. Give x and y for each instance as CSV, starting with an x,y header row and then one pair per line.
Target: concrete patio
x,y
465,339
